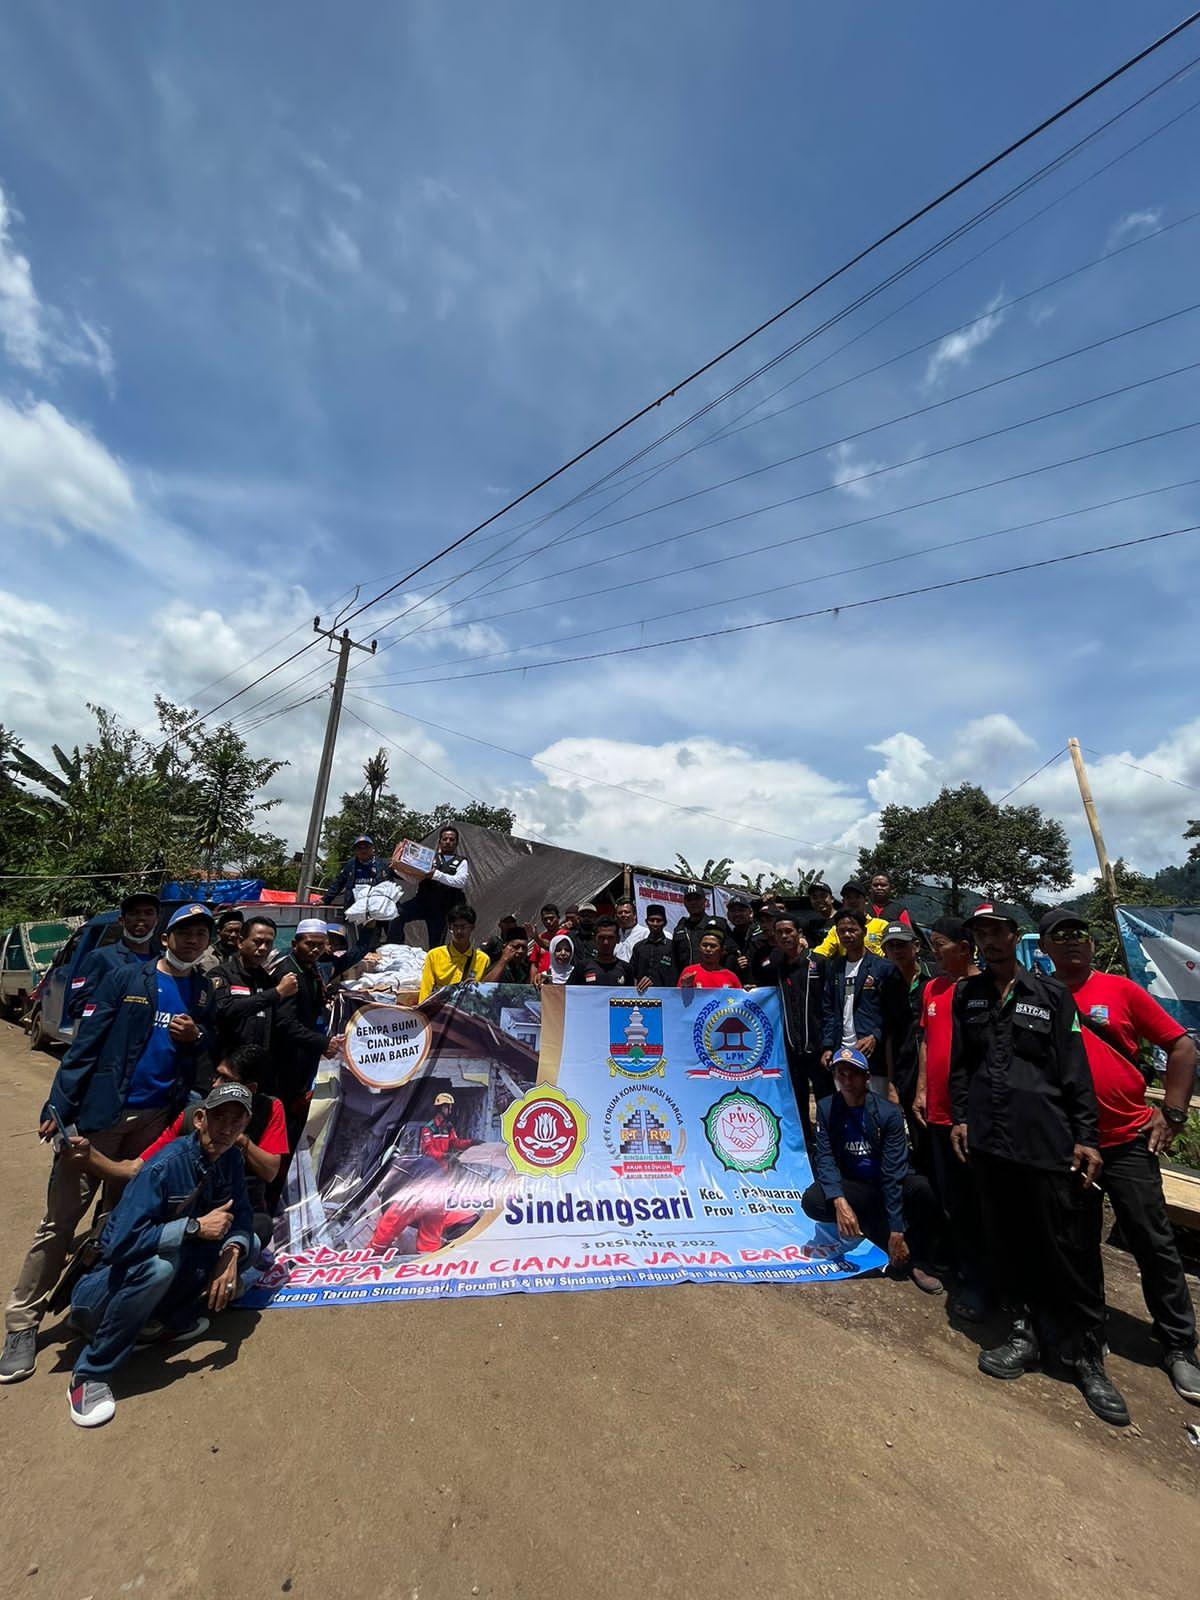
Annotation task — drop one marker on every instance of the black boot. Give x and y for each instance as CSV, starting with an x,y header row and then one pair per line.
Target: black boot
x,y
1017,1355
1101,1394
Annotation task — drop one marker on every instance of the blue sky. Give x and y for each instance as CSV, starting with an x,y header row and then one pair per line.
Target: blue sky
x,y
291,297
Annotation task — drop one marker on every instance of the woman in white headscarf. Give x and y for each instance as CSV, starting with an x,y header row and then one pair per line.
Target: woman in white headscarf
x,y
562,959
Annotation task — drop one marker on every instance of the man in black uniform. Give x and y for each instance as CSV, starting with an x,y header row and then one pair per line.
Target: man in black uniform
x,y
824,913
246,997
603,968
692,927
740,940
801,978
652,964
1025,1116
300,1036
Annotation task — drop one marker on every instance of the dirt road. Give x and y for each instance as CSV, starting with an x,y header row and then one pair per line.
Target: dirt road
x,y
830,1440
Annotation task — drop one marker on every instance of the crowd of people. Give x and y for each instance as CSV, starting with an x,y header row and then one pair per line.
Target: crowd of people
x,y
963,1112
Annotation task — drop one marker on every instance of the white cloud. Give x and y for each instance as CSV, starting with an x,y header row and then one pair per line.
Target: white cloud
x,y
20,314
35,336
1133,223
849,471
54,476
956,349
339,249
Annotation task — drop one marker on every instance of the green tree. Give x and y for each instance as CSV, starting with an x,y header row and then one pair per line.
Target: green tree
x,y
963,841
1133,889
713,871
375,771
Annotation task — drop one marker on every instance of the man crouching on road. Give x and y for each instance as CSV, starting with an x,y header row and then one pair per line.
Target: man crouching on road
x,y
175,1241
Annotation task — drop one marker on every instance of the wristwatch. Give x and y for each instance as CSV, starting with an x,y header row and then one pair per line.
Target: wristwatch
x,y
192,1229
1176,1115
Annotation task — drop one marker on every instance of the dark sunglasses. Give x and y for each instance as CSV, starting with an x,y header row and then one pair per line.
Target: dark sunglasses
x,y
1069,936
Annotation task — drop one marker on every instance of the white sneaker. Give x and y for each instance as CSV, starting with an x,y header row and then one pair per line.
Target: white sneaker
x,y
91,1403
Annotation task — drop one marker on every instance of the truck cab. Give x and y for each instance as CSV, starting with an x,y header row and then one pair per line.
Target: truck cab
x,y
49,1023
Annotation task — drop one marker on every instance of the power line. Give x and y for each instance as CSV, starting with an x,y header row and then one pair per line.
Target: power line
x,y
727,600
1133,767
831,277
427,625
894,232
614,473
604,783
1032,775
822,611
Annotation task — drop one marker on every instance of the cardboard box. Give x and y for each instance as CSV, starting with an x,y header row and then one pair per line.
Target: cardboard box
x,y
413,859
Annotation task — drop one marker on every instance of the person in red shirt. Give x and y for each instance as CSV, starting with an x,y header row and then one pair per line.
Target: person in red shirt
x,y
953,1180
1115,1016
438,1138
708,973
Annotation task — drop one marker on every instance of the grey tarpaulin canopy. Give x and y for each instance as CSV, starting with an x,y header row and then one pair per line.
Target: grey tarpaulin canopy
x,y
520,875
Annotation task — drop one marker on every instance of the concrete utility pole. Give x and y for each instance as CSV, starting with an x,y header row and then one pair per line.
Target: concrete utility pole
x,y
321,793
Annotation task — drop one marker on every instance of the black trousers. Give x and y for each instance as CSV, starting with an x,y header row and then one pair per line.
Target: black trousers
x,y
921,1219
1044,1247
954,1185
807,1073
428,905
1132,1180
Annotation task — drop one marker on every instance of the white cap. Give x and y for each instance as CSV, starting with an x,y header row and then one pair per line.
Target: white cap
x,y
311,925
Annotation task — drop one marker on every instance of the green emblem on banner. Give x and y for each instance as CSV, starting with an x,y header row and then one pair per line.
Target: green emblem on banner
x,y
743,1132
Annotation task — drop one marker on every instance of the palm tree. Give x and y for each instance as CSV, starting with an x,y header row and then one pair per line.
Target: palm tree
x,y
375,771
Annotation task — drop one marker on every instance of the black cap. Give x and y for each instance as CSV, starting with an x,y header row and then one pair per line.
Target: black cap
x,y
854,887
1061,917
690,889
139,897
822,887
738,900
988,913
657,911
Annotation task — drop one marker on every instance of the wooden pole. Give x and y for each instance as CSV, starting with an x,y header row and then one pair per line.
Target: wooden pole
x,y
1089,810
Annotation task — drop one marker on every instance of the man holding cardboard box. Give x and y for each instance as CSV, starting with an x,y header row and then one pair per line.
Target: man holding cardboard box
x,y
441,878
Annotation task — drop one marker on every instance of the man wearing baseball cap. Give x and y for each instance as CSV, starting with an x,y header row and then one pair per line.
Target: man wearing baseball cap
x,y
139,915
362,866
129,1070
301,1037
863,1182
164,1257
692,926
1116,1016
1025,1117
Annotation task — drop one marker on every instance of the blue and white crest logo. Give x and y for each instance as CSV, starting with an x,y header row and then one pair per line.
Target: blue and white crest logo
x,y
635,1039
733,1039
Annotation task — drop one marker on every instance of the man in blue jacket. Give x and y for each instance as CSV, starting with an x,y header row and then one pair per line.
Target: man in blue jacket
x,y
364,866
139,914
127,1074
174,1243
853,1004
863,1182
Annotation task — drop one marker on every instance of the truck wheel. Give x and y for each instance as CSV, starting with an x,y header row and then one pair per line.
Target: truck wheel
x,y
38,1037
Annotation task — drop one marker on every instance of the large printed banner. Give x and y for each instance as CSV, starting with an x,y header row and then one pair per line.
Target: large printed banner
x,y
498,1139
1162,947
668,894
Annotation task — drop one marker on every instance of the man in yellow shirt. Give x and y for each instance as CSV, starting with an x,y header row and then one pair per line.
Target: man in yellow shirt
x,y
459,961
854,898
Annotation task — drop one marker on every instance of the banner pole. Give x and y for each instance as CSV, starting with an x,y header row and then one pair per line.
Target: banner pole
x,y
1107,877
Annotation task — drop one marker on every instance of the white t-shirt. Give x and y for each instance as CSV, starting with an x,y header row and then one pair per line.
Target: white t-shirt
x,y
849,1037
627,941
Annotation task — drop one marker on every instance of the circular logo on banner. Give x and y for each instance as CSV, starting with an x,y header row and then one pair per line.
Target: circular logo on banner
x,y
545,1132
387,1045
732,1039
743,1132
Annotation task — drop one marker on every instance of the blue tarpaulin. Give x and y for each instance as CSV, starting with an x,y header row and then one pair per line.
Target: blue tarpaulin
x,y
218,892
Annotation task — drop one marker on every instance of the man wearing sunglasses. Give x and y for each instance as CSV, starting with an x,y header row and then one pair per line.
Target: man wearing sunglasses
x,y
1116,1015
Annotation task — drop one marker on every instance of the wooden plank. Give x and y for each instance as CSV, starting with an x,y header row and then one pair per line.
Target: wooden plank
x,y
1182,1192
